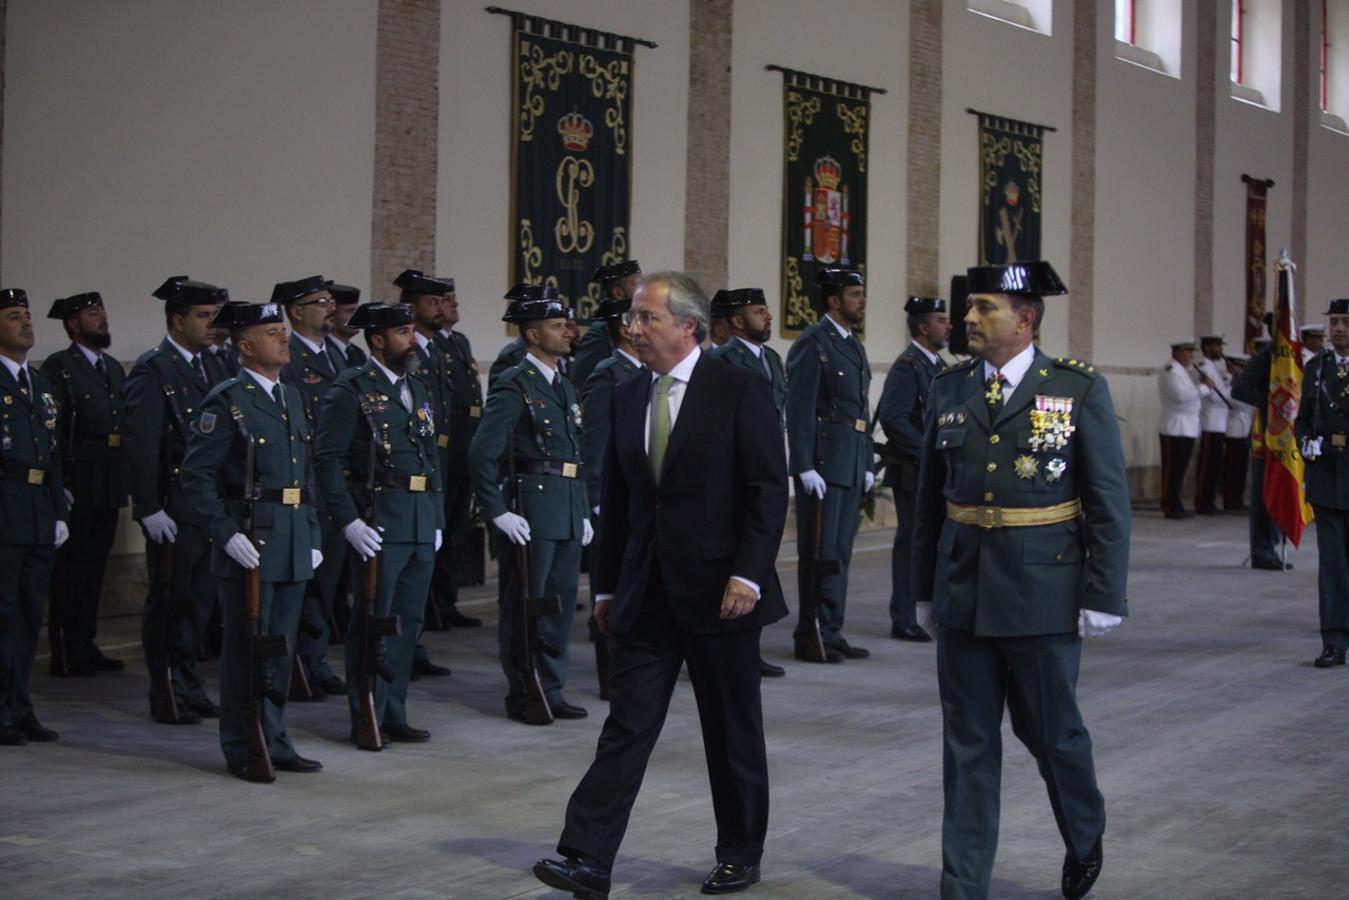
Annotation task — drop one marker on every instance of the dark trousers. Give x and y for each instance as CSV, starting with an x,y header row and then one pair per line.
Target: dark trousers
x,y
1236,457
644,667
77,582
1209,473
24,576
455,545
1175,460
174,621
838,528
1036,679
404,576
1332,581
901,594
279,613
315,634
1266,537
554,571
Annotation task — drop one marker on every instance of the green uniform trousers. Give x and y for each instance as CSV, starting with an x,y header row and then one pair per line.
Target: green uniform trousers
x,y
554,571
174,622
1332,545
24,575
842,511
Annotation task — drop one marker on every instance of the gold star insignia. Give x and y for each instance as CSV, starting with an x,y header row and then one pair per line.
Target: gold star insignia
x,y
1026,466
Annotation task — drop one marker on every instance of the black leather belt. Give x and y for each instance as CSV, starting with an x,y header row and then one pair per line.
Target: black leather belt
x,y
11,471
396,481
291,496
859,425
100,440
545,467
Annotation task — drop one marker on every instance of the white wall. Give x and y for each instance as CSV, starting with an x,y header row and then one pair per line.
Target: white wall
x,y
230,142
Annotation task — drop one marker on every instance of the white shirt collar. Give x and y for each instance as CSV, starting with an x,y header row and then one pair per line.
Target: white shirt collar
x,y
263,381
92,355
307,342
548,371
1016,367
932,357
845,332
683,370
393,379
179,347
341,344
629,357
14,368
422,340
753,347
445,332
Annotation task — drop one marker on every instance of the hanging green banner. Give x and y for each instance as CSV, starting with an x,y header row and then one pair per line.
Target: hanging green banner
x,y
571,155
824,196
1010,155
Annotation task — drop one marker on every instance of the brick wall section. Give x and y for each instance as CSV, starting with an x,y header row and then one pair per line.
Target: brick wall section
x,y
1302,120
1206,66
407,107
707,195
4,17
1082,240
923,175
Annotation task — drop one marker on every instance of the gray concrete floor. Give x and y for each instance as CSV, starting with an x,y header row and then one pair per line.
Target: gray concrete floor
x,y
1220,750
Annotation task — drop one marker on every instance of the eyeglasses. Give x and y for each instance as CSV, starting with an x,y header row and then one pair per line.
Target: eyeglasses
x,y
323,302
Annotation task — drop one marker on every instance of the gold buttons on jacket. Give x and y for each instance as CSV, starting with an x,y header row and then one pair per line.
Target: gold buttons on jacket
x,y
988,495
992,467
993,439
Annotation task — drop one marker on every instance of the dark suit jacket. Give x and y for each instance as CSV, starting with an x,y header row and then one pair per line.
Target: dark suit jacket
x,y
93,417
901,410
718,510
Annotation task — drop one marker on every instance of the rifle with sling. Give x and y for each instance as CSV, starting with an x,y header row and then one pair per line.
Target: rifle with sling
x,y
57,632
817,569
526,609
373,627
165,702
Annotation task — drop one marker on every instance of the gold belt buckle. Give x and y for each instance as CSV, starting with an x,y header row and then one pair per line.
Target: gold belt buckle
x,y
569,470
416,483
114,440
37,476
475,412
1337,440
860,425
990,517
290,496
442,441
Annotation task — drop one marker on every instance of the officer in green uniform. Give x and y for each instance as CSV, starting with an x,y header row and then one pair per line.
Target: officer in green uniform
x,y
1021,549
87,384
334,579
164,393
1322,429
900,413
33,512
379,409
255,408
617,282
465,413
829,445
531,430
345,354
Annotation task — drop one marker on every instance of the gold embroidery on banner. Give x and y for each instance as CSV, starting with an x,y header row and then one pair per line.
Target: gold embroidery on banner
x,y
800,313
573,234
536,73
531,255
800,113
855,123
610,83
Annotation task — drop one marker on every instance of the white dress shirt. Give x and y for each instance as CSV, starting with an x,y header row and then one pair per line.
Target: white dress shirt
x,y
1181,398
14,368
1013,371
406,396
265,383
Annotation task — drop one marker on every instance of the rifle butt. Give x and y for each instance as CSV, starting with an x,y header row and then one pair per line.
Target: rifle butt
x,y
301,688
367,731
537,710
259,767
60,658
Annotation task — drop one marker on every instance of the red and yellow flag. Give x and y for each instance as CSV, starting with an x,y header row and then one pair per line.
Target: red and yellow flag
x,y
1284,496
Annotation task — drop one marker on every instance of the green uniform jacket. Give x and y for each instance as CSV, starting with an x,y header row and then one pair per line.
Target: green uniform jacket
x,y
737,353
510,355
1027,580
436,380
465,398
827,383
91,427
595,399
901,412
215,461
351,357
157,430
1324,413
29,512
593,348
406,448
312,374
524,411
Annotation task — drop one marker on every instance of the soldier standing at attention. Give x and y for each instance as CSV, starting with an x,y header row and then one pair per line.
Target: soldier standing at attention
x,y
1313,341
87,384
1322,426
829,445
1237,446
512,353
345,354
1213,411
255,408
531,429
900,412
379,406
1252,388
33,512
1021,549
616,282
1182,396
164,393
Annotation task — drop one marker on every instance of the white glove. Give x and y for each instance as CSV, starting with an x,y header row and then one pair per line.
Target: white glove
x,y
868,482
440,539
595,512
922,612
1091,623
587,533
812,483
362,538
62,532
160,528
514,527
1311,447
315,558
70,498
240,549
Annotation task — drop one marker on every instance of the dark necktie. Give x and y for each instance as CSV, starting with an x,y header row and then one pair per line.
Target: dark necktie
x,y
995,391
279,397
559,390
400,387
101,368
200,365
23,380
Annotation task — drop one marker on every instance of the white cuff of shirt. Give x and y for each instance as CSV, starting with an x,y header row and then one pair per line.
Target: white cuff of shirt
x,y
602,598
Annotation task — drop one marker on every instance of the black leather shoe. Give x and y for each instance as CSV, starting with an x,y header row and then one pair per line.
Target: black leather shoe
x,y
768,670
910,633
332,685
518,715
428,668
38,733
383,739
204,708
1080,875
241,772
585,880
1273,566
185,715
106,664
848,650
406,734
11,736
727,878
455,619
564,710
1329,657
83,669
830,654
297,764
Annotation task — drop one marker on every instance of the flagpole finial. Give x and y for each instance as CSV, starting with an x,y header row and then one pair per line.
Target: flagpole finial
x,y
1285,261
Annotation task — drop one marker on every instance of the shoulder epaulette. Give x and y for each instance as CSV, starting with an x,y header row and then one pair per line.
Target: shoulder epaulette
x,y
966,366
1080,366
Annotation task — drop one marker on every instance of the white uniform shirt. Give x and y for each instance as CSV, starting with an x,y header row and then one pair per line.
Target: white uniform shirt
x,y
1239,420
1213,407
1181,398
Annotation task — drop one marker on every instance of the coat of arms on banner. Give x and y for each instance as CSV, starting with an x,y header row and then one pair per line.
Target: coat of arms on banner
x,y
826,214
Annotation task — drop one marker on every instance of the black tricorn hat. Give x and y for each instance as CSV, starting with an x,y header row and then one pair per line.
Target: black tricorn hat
x,y
13,297
725,302
533,310
343,293
919,306
288,292
832,278
415,282
1036,278
238,314
612,309
524,291
66,307
182,290
615,271
1338,308
380,315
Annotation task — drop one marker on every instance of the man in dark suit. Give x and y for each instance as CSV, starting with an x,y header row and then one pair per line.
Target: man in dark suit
x,y
616,282
339,341
694,499
1252,388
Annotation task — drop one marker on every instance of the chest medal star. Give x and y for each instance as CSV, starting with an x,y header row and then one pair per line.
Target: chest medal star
x,y
1026,466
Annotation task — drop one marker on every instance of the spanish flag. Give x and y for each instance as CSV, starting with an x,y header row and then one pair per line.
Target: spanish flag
x,y
1284,495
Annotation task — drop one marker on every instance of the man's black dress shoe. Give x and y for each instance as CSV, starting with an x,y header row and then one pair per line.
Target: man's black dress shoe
x,y
1273,566
564,710
405,734
428,668
240,772
39,733
457,619
830,654
106,664
910,633
585,880
848,650
768,670
383,739
204,708
1080,875
11,736
82,668
727,878
332,685
1329,657
297,764
186,716
518,715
